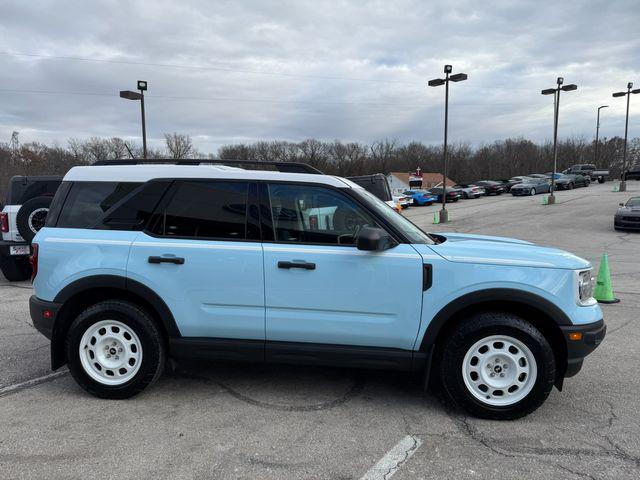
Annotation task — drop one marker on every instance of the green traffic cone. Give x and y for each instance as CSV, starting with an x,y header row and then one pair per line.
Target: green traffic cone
x,y
436,218
545,200
616,187
603,292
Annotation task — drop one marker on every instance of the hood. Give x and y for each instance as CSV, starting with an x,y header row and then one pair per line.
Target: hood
x,y
626,210
468,248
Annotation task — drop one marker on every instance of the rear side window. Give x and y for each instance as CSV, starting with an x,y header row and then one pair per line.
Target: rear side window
x,y
205,209
88,201
133,212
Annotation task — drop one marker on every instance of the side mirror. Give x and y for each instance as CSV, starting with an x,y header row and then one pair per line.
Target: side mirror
x,y
621,204
374,239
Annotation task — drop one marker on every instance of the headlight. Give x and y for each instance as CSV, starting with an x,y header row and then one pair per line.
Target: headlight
x,y
586,284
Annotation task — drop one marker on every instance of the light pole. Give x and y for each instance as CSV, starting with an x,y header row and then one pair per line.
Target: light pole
x,y
595,154
623,182
556,113
129,95
458,77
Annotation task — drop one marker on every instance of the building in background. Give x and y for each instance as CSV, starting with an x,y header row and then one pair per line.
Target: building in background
x,y
401,181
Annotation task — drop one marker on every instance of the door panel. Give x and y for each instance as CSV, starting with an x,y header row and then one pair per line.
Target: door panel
x,y
350,298
217,292
203,257
320,288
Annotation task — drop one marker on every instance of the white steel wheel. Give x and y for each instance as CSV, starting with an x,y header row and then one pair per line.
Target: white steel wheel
x,y
110,352
533,191
499,370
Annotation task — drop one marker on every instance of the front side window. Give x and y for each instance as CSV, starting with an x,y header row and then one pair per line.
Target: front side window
x,y
316,215
204,209
88,201
397,220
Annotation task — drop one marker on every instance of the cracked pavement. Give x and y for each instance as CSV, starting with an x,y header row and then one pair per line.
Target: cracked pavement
x,y
248,421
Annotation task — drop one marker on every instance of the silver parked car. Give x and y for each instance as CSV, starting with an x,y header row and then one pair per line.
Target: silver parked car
x,y
470,190
531,186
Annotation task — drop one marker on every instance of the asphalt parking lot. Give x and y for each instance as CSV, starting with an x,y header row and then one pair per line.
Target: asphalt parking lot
x,y
228,421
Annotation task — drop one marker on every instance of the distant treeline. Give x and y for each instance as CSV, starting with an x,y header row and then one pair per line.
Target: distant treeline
x,y
500,159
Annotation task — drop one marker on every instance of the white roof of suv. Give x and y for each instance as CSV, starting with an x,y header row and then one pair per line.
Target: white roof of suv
x,y
145,172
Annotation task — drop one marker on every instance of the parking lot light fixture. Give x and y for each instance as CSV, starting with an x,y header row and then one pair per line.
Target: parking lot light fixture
x,y
628,93
556,109
436,82
595,153
129,95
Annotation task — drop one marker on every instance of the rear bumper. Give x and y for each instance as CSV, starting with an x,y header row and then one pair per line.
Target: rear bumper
x,y
43,315
592,336
5,248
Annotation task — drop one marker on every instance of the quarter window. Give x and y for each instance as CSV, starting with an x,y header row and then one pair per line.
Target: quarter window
x,y
205,209
88,201
307,214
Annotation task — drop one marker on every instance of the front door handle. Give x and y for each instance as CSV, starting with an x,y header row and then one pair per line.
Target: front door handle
x,y
297,264
176,260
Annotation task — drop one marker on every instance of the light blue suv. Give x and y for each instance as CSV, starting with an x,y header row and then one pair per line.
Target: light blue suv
x,y
139,263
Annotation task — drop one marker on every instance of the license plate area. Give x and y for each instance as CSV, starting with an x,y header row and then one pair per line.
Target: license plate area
x,y
19,250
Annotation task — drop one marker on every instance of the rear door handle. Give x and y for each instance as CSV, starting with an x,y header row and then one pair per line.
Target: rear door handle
x,y
176,260
297,264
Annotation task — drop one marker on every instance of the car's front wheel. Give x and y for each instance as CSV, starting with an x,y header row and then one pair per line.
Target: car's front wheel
x,y
533,191
115,350
496,365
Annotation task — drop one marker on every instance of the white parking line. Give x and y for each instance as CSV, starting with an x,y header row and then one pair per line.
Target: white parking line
x,y
31,383
391,462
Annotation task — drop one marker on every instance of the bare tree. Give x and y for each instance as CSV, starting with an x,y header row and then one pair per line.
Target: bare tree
x,y
179,145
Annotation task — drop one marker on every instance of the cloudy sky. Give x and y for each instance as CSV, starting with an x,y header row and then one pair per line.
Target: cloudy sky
x,y
231,71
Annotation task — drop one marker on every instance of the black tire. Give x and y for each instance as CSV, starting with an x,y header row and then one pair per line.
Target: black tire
x,y
152,345
31,216
483,325
601,180
570,187
533,191
15,269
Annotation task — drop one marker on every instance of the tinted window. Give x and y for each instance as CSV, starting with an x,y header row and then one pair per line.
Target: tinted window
x,y
134,212
205,209
88,201
304,214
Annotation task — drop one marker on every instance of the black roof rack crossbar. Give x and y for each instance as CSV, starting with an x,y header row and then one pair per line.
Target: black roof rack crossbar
x,y
287,167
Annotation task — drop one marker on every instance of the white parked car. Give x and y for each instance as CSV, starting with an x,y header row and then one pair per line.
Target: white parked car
x,y
403,201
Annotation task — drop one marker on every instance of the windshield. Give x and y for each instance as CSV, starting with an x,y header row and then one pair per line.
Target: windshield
x,y
633,202
411,231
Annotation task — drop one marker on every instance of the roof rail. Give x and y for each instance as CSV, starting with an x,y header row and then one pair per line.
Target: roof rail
x,y
287,167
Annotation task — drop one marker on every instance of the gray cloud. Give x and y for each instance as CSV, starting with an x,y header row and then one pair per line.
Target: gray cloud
x,y
228,71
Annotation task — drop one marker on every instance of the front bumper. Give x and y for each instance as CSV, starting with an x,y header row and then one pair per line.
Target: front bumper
x,y
43,315
591,335
634,224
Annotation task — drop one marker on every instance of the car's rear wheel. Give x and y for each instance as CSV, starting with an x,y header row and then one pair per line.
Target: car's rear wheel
x,y
496,365
115,350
